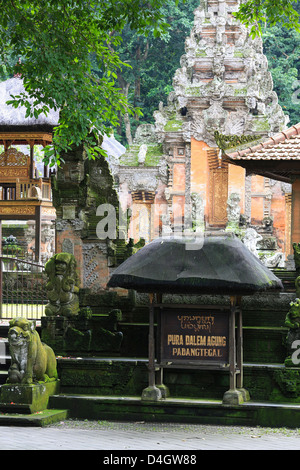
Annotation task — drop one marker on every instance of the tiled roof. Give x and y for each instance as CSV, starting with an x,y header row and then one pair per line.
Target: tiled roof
x,y
282,146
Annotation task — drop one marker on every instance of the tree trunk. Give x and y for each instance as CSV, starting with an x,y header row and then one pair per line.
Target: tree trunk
x,y
125,88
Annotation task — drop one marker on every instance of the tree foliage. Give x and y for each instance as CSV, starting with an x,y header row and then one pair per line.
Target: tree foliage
x,y
153,62
99,61
282,48
255,13
69,63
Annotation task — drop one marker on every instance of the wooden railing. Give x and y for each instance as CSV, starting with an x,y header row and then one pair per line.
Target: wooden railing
x,y
32,189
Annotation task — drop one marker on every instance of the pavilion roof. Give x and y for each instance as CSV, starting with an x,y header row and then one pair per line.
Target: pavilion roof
x,y
218,265
17,129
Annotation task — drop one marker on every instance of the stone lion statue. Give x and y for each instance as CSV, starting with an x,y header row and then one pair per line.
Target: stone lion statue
x,y
63,285
31,360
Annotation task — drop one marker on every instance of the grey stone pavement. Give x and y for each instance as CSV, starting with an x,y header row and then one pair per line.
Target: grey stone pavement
x,y
140,436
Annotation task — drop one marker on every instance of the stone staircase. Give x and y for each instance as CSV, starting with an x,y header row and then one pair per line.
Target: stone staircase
x,y
103,386
126,374
111,387
287,277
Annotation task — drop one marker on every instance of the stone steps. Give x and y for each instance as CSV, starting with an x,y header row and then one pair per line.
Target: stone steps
x,y
129,376
287,277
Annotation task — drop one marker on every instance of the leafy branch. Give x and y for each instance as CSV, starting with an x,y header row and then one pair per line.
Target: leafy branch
x,y
255,13
69,62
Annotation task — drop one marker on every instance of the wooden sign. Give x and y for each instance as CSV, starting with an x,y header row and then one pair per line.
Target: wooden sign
x,y
194,337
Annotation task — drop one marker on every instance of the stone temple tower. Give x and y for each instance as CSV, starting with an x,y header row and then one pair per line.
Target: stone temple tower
x,y
224,85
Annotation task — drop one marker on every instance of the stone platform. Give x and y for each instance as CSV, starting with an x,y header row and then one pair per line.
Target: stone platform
x,y
40,418
129,377
27,405
27,399
176,410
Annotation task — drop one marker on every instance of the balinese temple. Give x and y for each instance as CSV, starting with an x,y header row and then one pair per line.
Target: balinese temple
x,y
174,176
25,187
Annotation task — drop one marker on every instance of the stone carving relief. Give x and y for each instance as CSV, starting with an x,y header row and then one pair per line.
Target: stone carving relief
x,y
245,61
269,258
197,212
62,286
13,157
92,253
233,209
273,261
141,180
251,238
48,238
292,322
166,225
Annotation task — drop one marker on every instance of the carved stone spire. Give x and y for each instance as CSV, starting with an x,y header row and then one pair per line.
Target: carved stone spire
x,y
223,83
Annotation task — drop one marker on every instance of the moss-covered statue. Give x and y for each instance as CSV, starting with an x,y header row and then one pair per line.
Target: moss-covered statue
x,y
31,360
63,286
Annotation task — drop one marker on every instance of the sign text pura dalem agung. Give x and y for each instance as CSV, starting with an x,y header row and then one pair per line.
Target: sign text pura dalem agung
x,y
194,337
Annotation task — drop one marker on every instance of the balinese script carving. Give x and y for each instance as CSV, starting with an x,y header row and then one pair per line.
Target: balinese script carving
x,y
196,323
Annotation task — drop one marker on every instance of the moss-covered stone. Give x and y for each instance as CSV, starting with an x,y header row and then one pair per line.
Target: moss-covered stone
x,y
174,125
35,396
152,158
288,382
62,286
31,360
84,335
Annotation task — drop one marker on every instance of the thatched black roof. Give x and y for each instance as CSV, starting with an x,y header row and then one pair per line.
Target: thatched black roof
x,y
222,266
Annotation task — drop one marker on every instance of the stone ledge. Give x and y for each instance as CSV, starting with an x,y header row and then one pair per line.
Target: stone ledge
x,y
179,411
40,418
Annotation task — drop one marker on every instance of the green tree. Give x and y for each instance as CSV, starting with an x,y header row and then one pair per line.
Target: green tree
x,y
7,62
153,62
68,60
73,58
282,48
